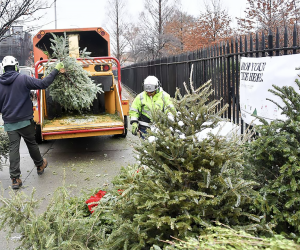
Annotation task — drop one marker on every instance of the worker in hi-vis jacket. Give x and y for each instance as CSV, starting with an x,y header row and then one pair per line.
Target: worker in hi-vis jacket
x,y
152,96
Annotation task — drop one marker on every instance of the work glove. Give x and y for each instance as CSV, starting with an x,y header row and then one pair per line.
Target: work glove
x,y
134,128
59,66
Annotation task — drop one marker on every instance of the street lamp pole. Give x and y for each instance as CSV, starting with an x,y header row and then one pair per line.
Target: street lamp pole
x,y
55,13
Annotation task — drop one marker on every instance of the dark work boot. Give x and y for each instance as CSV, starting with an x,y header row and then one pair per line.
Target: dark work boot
x,y
40,169
16,183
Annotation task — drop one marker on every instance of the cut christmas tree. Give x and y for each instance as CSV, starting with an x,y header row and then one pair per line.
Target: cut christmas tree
x,y
187,178
73,89
274,162
4,146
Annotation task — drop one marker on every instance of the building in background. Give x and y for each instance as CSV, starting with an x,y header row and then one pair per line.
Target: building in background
x,y
18,44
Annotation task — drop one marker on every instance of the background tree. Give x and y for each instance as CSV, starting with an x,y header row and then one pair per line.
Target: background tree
x,y
157,13
19,12
212,26
262,15
133,38
117,28
214,22
178,30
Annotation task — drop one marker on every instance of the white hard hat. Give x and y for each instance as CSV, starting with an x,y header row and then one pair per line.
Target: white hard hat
x,y
151,83
9,61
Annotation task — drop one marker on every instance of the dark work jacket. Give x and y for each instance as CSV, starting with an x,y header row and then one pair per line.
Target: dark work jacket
x,y
15,102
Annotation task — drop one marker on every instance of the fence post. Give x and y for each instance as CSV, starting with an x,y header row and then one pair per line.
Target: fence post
x,y
256,44
270,43
212,69
224,77
160,74
232,85
214,60
277,42
218,73
294,39
177,67
246,45
285,41
228,81
241,50
263,44
251,45
237,89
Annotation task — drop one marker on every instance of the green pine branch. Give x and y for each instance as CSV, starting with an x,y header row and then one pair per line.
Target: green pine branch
x,y
4,147
273,161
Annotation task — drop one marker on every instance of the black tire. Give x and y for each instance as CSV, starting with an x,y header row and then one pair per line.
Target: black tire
x,y
125,128
38,134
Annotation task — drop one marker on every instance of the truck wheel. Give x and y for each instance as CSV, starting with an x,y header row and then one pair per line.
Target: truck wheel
x,y
38,133
125,127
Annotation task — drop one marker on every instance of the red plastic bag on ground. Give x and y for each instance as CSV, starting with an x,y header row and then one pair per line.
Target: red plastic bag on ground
x,y
91,201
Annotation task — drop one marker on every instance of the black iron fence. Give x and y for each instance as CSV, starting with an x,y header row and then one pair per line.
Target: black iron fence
x,y
220,63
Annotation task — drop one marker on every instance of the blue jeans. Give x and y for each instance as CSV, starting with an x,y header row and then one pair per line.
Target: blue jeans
x,y
142,133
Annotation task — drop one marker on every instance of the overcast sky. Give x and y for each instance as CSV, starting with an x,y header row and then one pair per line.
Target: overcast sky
x,y
92,13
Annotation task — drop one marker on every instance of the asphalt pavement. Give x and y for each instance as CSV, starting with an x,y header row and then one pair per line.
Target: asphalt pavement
x,y
79,163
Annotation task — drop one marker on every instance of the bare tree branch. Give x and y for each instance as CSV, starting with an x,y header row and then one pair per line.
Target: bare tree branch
x,y
262,15
153,20
117,29
19,12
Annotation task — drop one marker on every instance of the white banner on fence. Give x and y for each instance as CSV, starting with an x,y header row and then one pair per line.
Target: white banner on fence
x,y
257,75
